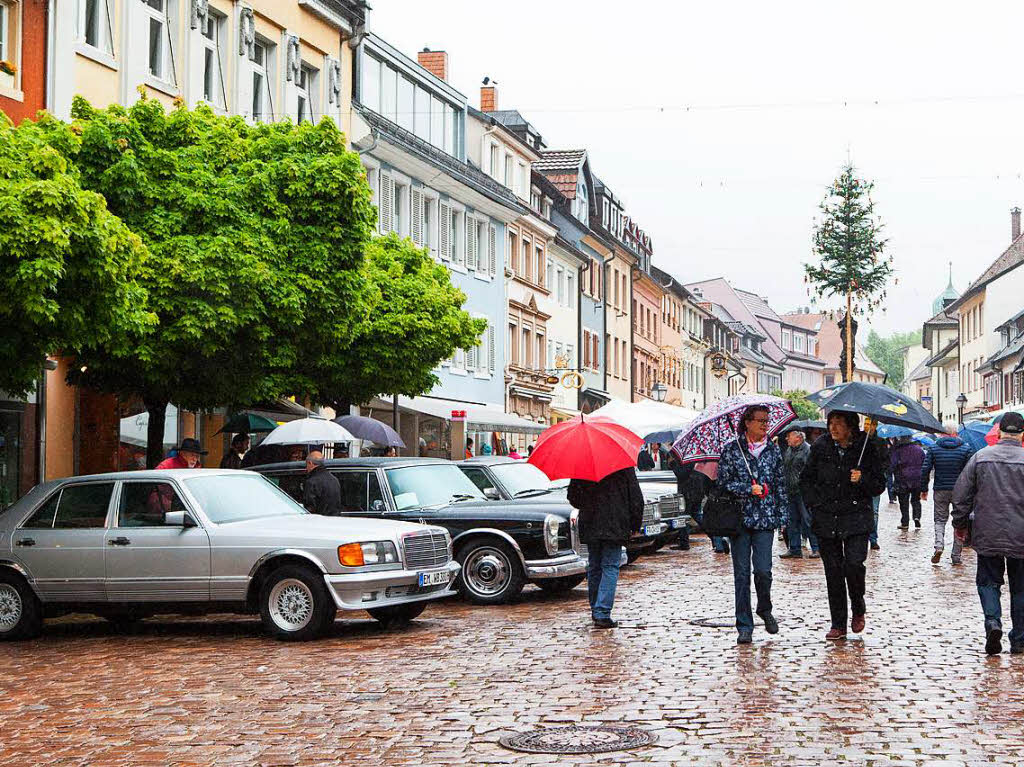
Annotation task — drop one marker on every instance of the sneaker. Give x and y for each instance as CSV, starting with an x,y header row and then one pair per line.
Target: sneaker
x,y
792,555
744,637
814,555
937,556
993,639
770,624
605,623
875,547
857,624
835,634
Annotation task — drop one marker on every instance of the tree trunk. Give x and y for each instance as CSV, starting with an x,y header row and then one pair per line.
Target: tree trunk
x,y
848,373
155,432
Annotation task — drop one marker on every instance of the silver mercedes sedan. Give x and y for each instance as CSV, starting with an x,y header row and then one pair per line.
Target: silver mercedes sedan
x,y
132,544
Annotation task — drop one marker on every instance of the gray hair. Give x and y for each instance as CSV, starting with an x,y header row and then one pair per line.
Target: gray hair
x,y
799,434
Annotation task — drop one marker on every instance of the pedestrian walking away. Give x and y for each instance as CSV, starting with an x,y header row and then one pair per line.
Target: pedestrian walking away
x,y
844,473
610,511
751,469
988,500
321,492
948,457
907,460
799,524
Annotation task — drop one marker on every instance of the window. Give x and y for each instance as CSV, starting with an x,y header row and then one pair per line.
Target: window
x,y
430,230
160,65
495,162
527,350
436,123
524,259
406,104
400,208
422,101
570,291
259,81
539,259
74,507
508,171
448,143
513,249
557,284
457,253
303,105
94,25
370,91
360,491
144,504
798,342
812,346
389,93
213,66
786,340
6,35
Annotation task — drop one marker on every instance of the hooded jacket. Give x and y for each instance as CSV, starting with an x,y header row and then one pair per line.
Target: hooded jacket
x,y
841,508
907,460
991,487
948,456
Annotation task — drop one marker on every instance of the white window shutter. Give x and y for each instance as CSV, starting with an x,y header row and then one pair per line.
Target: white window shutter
x,y
444,219
460,242
387,201
471,358
417,217
492,258
490,342
471,244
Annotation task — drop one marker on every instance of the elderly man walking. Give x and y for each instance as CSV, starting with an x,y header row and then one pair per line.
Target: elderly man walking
x,y
321,492
989,499
948,456
798,526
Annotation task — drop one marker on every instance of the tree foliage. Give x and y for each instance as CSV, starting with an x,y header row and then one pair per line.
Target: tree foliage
x,y
887,353
805,410
68,267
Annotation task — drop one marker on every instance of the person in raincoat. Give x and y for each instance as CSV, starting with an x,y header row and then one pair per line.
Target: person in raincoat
x,y
844,473
751,469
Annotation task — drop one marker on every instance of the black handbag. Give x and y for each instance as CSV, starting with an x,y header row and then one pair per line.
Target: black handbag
x,y
723,513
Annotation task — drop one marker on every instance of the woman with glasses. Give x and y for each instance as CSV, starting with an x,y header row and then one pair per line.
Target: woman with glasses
x,y
751,469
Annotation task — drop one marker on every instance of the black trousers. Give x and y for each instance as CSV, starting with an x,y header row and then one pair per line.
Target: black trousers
x,y
843,559
908,498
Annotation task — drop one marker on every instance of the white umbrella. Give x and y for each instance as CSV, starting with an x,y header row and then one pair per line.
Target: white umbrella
x,y
643,418
308,431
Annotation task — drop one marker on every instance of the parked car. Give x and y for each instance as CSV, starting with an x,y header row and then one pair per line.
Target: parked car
x,y
509,479
660,487
132,544
501,545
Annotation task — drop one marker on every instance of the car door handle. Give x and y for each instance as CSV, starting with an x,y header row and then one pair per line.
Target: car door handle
x,y
122,541
25,542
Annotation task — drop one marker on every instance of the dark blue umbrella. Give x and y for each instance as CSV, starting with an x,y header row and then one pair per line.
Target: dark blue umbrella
x,y
370,429
974,434
888,431
665,437
879,402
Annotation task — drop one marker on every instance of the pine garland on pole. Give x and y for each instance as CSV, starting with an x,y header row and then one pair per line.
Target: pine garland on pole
x,y
851,251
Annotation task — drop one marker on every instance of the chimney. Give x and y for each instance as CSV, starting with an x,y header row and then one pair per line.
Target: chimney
x,y
1014,224
488,98
435,62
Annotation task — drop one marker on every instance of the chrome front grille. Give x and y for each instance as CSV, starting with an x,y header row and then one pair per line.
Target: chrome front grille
x,y
425,550
671,506
650,516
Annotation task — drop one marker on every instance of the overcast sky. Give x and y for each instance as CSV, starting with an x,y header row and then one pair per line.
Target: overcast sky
x,y
720,124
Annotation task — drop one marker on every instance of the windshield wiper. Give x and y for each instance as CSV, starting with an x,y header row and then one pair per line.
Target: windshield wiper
x,y
531,492
463,497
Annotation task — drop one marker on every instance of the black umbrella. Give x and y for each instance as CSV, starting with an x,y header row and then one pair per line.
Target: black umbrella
x,y
370,430
879,402
804,425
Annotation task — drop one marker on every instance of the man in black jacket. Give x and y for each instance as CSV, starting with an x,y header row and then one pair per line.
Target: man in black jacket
x,y
610,510
321,492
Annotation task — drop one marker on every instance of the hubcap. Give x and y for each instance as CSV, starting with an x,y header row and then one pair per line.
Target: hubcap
x,y
487,571
291,605
10,607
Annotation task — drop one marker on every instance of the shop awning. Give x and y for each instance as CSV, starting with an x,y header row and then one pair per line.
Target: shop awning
x,y
645,417
479,417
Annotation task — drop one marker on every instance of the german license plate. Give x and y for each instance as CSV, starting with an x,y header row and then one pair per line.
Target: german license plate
x,y
678,524
652,530
433,579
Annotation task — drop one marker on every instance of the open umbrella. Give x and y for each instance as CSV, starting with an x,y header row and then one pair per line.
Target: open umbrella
x,y
883,404
586,449
247,423
708,434
974,434
665,436
314,430
370,429
888,431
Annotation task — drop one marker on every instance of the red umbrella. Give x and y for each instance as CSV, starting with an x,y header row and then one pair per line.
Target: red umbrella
x,y
586,449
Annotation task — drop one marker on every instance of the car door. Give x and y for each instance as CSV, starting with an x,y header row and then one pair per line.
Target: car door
x,y
148,561
62,543
482,479
360,492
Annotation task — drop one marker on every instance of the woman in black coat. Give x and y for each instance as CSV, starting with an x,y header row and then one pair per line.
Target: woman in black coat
x,y
839,485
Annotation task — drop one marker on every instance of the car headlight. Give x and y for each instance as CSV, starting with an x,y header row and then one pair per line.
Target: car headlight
x,y
372,553
551,523
656,512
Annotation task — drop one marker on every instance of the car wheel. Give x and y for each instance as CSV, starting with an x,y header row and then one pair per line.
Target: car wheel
x,y
21,615
560,585
491,573
400,615
295,605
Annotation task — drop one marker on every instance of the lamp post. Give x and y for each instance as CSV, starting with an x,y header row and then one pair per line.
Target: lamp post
x,y
659,391
961,401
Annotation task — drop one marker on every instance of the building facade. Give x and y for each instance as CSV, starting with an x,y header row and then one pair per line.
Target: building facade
x,y
24,57
608,218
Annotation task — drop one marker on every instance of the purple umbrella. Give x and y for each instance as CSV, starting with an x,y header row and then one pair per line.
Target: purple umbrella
x,y
706,437
371,430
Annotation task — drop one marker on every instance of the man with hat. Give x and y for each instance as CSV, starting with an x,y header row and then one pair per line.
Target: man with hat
x,y
187,457
989,498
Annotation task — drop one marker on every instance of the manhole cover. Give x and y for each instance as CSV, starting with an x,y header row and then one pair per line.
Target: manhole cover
x,y
579,740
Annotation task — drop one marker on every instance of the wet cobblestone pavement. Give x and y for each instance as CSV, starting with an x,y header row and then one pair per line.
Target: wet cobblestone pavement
x,y
916,690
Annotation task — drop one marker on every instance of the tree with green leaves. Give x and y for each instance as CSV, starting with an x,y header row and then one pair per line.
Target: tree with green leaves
x,y
805,410
851,251
68,267
887,353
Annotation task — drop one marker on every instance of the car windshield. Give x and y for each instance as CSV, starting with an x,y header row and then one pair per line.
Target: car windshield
x,y
238,497
431,485
522,478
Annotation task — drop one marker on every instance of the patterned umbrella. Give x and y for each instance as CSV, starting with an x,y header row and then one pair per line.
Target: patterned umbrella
x,y
712,430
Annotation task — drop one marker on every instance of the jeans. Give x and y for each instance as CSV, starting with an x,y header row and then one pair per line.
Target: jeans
x,y
908,499
990,581
943,499
843,559
752,546
873,535
602,577
799,525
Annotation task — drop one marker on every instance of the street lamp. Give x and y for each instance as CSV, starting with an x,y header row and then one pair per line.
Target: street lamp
x,y
961,401
659,391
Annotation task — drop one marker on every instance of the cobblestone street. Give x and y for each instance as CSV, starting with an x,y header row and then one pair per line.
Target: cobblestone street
x,y
916,690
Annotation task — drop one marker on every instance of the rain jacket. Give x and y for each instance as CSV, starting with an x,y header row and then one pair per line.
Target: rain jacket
x,y
610,510
794,462
947,456
840,508
321,492
907,460
992,487
768,512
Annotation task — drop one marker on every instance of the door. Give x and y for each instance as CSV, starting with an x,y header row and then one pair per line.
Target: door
x,y
360,492
62,543
148,561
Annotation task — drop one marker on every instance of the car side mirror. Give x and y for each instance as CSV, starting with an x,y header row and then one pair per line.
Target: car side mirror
x,y
491,494
179,519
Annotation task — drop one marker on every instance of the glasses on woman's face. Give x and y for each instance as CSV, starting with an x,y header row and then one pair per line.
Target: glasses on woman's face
x,y
758,420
